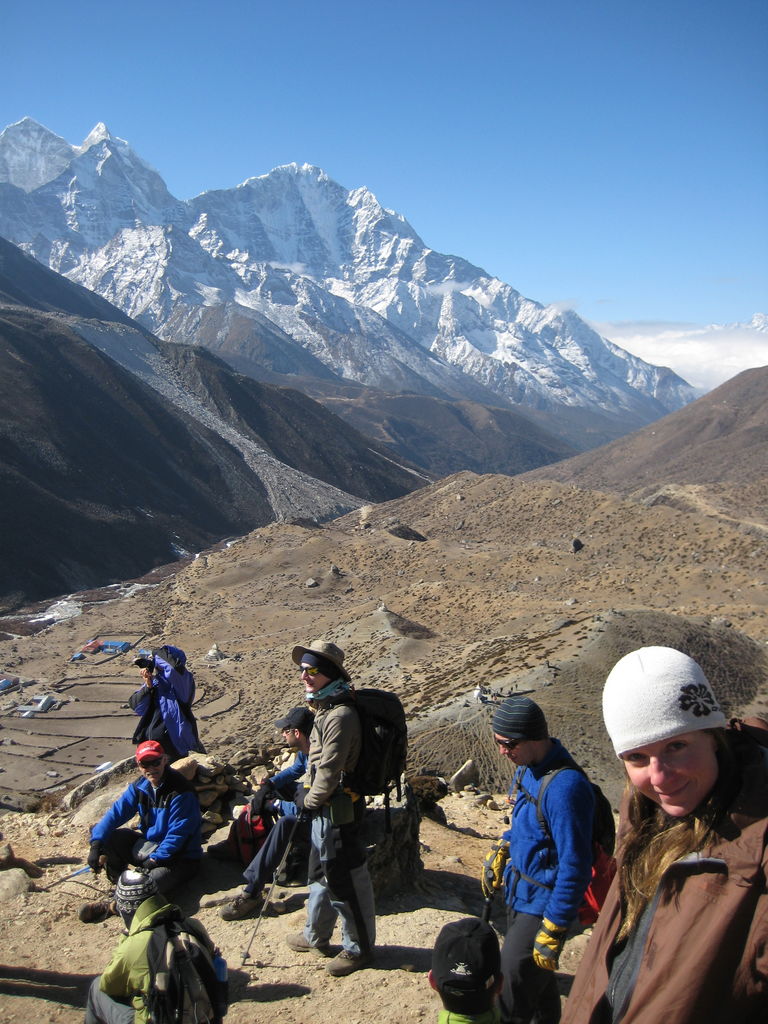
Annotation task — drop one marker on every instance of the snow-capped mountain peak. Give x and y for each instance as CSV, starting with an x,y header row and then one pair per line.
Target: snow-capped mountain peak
x,y
31,155
331,268
99,133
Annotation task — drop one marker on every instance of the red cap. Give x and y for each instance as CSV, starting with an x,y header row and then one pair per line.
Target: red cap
x,y
149,748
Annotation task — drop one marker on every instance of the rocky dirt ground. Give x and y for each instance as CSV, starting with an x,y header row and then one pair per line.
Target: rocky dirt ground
x,y
494,594
49,957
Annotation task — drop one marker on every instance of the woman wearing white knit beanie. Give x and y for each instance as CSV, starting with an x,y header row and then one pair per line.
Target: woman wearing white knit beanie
x,y
683,934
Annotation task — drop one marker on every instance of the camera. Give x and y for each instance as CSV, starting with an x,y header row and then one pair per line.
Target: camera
x,y
144,663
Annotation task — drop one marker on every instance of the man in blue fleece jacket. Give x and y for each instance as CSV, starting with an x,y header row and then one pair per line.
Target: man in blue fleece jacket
x,y
296,728
547,871
168,844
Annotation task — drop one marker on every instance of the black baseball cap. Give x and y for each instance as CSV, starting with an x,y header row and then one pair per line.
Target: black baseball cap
x,y
300,718
466,964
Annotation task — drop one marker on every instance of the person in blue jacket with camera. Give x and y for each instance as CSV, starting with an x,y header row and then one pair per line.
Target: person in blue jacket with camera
x,y
164,702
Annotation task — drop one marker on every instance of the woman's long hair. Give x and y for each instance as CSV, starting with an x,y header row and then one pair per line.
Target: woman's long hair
x,y
654,840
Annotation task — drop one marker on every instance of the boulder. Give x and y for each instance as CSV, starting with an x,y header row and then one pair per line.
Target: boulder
x,y
187,766
428,789
92,809
9,861
394,858
12,883
404,532
467,775
105,778
208,796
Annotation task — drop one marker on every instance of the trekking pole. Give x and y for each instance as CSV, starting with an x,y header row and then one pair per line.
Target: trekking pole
x,y
246,952
66,878
485,917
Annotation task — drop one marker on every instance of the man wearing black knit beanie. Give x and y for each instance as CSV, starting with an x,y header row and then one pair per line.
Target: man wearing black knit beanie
x,y
543,862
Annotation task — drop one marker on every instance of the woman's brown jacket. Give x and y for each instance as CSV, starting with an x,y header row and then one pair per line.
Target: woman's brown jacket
x,y
705,959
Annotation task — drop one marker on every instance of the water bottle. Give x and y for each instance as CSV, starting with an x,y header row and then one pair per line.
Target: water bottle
x,y
222,983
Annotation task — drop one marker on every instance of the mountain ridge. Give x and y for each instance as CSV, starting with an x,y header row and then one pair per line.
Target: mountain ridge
x,y
348,280
712,454
120,451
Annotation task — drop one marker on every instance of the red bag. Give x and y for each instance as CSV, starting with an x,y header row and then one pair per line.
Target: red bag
x,y
603,870
248,833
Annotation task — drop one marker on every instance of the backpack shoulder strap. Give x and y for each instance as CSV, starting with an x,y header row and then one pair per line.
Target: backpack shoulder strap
x,y
566,764
159,950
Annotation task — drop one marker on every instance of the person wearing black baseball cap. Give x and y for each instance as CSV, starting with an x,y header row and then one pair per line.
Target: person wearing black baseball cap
x,y
466,972
280,791
543,871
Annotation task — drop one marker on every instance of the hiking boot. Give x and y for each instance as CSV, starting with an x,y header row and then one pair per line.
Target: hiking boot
x,y
95,913
347,963
298,943
245,904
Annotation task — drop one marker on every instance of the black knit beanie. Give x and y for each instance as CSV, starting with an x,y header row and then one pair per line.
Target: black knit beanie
x,y
519,718
133,887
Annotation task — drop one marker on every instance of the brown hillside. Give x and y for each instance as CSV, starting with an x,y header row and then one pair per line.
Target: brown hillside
x,y
493,594
712,454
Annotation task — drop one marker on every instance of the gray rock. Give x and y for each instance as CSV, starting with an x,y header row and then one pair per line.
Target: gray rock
x,y
96,805
119,770
394,858
12,883
467,775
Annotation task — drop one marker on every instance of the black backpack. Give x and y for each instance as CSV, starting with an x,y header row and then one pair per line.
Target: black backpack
x,y
384,748
184,984
603,823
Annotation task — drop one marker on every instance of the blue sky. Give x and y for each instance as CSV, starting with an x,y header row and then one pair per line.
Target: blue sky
x,y
608,155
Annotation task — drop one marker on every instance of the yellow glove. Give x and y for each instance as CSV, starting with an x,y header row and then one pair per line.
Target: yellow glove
x,y
493,868
548,945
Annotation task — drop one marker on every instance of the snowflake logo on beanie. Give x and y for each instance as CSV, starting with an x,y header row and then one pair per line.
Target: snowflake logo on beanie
x,y
698,698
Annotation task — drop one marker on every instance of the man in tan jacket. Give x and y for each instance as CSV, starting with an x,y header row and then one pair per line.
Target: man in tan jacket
x,y
340,885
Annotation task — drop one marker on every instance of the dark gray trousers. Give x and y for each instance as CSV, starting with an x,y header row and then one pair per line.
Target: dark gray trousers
x,y
529,994
121,848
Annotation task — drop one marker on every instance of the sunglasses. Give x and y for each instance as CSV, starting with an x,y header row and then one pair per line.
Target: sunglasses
x,y
151,762
508,744
309,669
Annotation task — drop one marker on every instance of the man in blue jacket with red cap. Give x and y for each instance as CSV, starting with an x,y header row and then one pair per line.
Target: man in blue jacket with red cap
x,y
168,844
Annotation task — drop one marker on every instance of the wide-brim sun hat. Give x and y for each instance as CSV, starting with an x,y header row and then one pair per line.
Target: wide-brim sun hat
x,y
322,649
655,693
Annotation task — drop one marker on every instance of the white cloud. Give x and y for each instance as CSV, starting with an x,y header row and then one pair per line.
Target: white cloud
x,y
704,355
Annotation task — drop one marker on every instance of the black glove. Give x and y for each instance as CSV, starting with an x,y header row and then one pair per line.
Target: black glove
x,y
303,817
264,793
149,864
94,857
299,797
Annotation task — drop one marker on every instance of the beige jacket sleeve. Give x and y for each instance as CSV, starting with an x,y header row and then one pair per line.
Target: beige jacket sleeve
x,y
334,748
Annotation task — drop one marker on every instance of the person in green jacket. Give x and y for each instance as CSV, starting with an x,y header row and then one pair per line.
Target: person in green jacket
x,y
118,996
466,972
